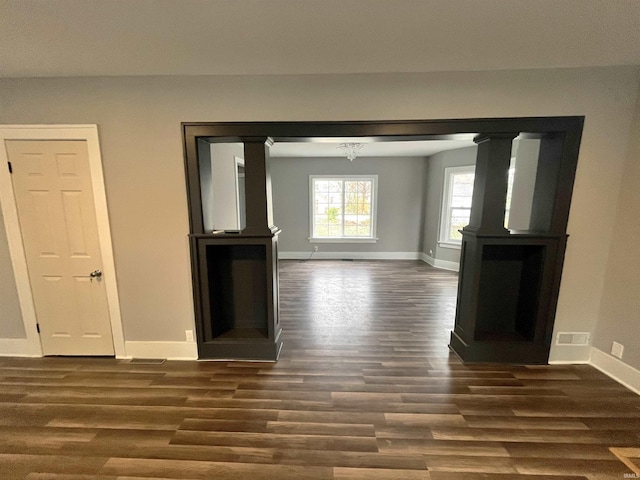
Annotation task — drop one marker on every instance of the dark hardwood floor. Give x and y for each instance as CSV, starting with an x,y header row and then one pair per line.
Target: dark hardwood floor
x,y
365,389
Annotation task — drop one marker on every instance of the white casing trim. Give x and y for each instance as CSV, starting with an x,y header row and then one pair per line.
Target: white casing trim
x,y
18,347
88,133
616,369
168,350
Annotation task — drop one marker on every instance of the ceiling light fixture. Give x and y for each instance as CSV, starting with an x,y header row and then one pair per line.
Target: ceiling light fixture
x,y
350,150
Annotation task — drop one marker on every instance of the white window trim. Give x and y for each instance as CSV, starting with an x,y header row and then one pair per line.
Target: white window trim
x,y
374,210
443,237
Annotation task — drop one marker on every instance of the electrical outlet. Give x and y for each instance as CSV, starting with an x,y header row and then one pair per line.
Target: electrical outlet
x,y
431,253
189,335
617,349
315,248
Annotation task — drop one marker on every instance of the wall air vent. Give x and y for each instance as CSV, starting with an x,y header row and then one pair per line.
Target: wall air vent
x,y
573,338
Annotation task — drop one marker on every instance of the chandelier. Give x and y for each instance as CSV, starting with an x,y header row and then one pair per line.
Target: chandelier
x,y
350,150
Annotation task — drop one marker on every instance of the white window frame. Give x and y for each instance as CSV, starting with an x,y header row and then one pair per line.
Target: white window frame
x,y
445,216
374,209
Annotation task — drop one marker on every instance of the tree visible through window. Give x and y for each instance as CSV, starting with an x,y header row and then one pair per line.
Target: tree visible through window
x,y
343,207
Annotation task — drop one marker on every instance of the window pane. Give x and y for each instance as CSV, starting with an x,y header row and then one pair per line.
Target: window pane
x,y
342,207
350,230
364,220
321,231
351,208
463,184
350,219
334,230
459,220
454,234
364,231
320,220
321,197
460,212
320,208
335,198
335,186
458,201
321,186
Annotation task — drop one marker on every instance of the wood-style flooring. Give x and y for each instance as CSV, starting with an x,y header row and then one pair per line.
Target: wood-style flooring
x,y
365,389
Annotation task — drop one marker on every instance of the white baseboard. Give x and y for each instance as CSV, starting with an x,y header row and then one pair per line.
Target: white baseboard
x,y
349,255
426,258
434,262
616,369
17,347
437,263
168,350
569,362
569,354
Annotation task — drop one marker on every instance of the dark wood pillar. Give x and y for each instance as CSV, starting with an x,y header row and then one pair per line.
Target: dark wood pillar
x,y
554,182
505,306
490,184
258,187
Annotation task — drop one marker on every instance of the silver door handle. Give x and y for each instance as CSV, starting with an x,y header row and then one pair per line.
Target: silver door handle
x,y
96,274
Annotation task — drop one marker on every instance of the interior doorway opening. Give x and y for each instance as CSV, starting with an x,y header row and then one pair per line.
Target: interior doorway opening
x,y
489,249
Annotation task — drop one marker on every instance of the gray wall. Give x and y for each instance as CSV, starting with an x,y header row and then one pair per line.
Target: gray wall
x,y
139,124
435,186
400,187
11,325
619,316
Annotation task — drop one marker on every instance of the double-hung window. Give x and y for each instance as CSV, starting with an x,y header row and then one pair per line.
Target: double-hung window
x,y
343,208
456,204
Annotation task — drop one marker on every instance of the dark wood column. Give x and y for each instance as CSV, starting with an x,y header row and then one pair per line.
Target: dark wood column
x,y
505,304
490,184
258,187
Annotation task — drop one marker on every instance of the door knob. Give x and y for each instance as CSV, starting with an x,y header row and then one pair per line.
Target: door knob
x,y
95,274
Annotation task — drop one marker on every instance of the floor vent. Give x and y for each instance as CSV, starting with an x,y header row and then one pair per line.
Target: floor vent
x,y
148,361
573,338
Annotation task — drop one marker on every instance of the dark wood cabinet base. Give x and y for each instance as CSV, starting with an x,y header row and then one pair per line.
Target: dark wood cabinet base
x,y
242,348
501,351
237,296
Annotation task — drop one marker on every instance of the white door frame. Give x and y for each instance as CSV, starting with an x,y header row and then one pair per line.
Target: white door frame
x,y
88,133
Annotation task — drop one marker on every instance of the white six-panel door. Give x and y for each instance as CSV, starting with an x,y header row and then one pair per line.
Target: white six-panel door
x,y
54,198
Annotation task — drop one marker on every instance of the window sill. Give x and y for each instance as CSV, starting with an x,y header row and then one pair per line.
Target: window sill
x,y
343,240
453,246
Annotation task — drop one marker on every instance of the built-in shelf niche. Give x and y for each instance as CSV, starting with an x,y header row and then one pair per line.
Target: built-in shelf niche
x,y
510,283
237,291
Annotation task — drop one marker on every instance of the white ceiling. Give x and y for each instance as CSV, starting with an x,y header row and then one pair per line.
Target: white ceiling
x,y
226,37
329,148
